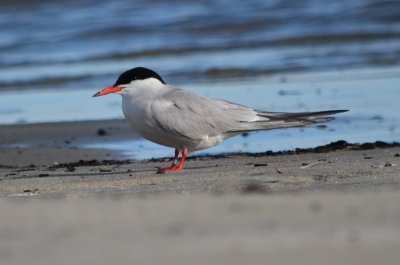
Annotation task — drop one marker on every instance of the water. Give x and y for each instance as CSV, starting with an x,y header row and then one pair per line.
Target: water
x,y
272,55
79,44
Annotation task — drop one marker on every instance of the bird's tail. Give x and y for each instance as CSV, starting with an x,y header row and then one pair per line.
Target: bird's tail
x,y
274,120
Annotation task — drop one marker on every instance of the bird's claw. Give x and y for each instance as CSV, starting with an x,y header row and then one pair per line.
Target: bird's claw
x,y
174,167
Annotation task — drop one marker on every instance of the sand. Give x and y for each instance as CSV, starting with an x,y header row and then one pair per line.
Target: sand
x,y
316,208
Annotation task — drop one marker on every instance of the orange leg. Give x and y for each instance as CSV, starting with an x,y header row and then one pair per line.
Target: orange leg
x,y
174,166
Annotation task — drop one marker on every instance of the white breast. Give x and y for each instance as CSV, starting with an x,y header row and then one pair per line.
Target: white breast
x,y
140,118
136,102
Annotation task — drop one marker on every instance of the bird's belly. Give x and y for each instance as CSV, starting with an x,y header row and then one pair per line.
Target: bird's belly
x,y
148,130
158,136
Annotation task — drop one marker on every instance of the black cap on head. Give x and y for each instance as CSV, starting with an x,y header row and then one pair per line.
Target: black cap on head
x,y
138,73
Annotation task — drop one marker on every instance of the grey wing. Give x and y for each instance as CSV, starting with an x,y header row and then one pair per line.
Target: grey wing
x,y
184,113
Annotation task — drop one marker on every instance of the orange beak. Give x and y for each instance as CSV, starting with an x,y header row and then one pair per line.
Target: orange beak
x,y
108,90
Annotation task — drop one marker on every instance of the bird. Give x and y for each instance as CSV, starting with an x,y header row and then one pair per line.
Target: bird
x,y
189,122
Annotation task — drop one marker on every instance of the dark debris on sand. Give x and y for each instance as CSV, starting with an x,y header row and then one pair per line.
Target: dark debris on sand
x,y
88,163
331,147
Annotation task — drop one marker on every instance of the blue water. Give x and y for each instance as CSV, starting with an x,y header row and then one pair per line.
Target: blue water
x,y
274,55
80,44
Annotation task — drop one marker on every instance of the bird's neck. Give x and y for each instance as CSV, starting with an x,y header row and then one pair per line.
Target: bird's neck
x,y
145,90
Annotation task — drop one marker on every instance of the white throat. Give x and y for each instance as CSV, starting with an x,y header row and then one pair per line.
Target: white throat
x,y
144,89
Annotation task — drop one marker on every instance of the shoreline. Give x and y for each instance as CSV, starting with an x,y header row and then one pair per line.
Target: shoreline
x,y
338,171
64,142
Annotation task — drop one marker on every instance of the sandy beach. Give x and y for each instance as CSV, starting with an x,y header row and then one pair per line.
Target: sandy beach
x,y
308,207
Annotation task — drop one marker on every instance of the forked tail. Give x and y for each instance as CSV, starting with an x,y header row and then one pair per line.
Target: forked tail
x,y
274,120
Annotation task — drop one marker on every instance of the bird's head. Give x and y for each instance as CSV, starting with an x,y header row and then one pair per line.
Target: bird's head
x,y
130,79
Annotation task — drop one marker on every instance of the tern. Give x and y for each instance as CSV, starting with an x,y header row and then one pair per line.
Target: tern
x,y
188,122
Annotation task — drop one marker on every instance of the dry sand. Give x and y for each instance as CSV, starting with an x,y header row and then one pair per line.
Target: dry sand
x,y
317,208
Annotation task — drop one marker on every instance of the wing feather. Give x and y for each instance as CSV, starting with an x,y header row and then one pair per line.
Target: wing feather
x,y
184,113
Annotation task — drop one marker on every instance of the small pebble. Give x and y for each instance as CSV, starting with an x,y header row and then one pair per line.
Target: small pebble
x,y
101,132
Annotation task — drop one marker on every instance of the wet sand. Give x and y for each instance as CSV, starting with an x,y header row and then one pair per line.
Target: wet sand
x,y
307,208
48,143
